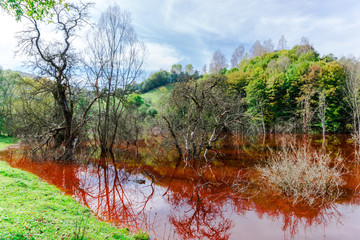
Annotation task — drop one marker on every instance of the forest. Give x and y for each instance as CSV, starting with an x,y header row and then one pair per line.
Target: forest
x,y
281,91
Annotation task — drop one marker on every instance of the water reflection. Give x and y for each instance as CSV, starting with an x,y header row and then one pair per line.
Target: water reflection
x,y
173,202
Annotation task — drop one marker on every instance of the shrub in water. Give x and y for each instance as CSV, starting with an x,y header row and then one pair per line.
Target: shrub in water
x,y
306,176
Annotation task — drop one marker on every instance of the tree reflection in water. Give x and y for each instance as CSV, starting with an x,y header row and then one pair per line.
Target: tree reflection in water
x,y
165,198
199,214
114,194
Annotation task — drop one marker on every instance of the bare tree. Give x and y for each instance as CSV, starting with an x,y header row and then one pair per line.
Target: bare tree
x,y
204,70
237,55
307,112
304,41
218,62
322,113
268,46
115,50
197,114
56,59
257,49
282,44
352,88
304,46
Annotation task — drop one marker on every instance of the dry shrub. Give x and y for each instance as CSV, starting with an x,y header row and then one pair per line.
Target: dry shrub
x,y
305,176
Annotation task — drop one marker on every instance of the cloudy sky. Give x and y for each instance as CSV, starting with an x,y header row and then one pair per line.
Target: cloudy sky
x,y
189,31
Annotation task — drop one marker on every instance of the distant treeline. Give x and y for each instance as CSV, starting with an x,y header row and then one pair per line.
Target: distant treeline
x,y
292,90
163,77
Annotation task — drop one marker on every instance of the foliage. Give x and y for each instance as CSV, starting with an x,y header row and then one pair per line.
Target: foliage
x,y
32,103
37,9
8,82
156,79
134,119
284,86
162,77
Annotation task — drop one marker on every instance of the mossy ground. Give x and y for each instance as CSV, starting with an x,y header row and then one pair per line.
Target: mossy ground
x,y
32,209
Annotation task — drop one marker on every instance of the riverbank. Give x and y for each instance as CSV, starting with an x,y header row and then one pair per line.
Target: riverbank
x,y
32,209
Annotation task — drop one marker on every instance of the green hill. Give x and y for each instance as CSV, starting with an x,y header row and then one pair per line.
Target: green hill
x,y
154,96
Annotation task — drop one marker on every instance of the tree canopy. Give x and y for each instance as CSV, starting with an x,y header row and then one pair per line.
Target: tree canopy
x,y
36,9
285,87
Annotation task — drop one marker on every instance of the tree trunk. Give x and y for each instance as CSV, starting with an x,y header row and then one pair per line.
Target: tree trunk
x,y
69,136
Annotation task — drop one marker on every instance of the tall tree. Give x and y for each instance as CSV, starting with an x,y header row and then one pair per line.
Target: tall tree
x,y
237,55
189,69
56,59
352,89
257,49
218,62
197,113
204,69
268,46
304,46
257,100
176,68
304,41
115,50
322,112
282,44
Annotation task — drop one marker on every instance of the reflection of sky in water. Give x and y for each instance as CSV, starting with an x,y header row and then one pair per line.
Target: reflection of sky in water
x,y
171,204
345,227
251,225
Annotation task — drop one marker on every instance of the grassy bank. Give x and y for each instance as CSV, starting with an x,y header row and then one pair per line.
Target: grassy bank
x,y
6,141
32,209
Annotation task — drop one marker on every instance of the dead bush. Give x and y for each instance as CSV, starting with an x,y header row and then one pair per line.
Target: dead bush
x,y
304,175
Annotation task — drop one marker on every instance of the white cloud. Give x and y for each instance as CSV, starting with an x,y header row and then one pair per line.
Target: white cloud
x,y
191,30
251,20
8,28
161,56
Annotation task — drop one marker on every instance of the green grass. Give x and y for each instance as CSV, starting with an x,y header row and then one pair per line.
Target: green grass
x,y
33,209
6,141
156,94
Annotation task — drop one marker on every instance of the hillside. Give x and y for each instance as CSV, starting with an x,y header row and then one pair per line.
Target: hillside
x,y
154,96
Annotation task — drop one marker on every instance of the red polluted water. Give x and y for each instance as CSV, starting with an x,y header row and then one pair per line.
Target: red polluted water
x,y
171,201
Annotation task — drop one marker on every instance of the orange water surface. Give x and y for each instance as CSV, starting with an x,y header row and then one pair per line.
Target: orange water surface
x,y
171,201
